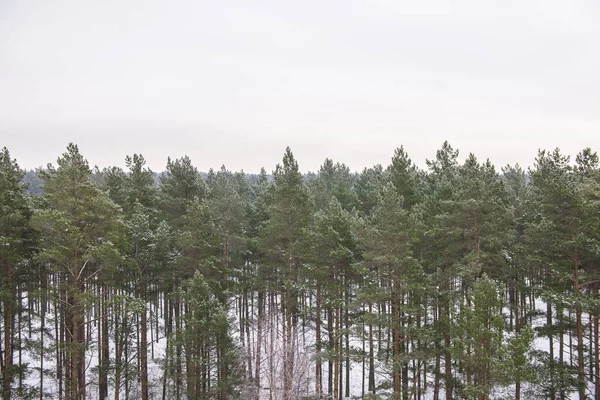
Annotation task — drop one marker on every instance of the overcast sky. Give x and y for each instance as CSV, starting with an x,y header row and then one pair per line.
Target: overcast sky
x,y
234,82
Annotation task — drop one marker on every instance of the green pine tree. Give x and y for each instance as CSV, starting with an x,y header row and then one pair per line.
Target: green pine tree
x,y
76,230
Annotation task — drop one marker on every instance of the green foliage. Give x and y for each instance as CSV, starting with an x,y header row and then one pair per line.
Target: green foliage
x,y
404,176
181,183
478,339
368,186
17,239
517,362
404,272
79,219
199,242
290,210
206,336
334,181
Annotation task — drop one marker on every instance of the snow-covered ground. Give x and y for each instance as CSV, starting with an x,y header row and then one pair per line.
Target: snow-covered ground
x,y
272,349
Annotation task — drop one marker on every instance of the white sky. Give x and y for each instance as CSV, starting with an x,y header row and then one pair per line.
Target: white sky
x,y
234,82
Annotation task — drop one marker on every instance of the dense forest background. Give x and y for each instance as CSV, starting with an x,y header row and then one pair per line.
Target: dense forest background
x,y
459,281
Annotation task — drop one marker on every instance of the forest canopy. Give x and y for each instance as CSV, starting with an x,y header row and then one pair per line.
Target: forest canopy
x,y
457,281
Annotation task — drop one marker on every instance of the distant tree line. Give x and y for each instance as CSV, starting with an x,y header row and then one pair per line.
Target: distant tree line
x,y
454,282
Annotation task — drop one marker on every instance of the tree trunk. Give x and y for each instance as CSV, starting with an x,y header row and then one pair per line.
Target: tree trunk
x,y
445,317
580,352
318,363
104,344
259,332
596,359
371,355
178,349
288,360
144,341
551,345
78,336
396,339
347,348
9,323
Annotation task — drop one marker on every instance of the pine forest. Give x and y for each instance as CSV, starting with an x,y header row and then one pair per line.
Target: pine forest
x,y
459,280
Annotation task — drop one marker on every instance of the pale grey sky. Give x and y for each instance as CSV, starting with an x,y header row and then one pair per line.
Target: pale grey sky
x,y
234,82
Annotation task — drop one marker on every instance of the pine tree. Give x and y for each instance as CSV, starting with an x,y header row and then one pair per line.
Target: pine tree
x,y
16,247
516,361
227,205
75,230
588,175
483,207
180,184
140,208
227,199
332,249
389,242
478,343
283,236
521,275
114,181
443,246
206,337
258,278
404,175
333,180
559,234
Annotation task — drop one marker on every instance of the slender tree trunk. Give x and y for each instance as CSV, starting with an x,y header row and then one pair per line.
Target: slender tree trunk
x,y
43,307
75,333
396,337
190,353
178,349
248,344
330,360
517,317
59,333
336,345
347,335
105,350
168,346
371,355
224,371
517,329
363,366
580,351
336,337
144,341
9,323
259,339
318,362
404,350
596,358
118,318
19,330
446,333
551,344
288,363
